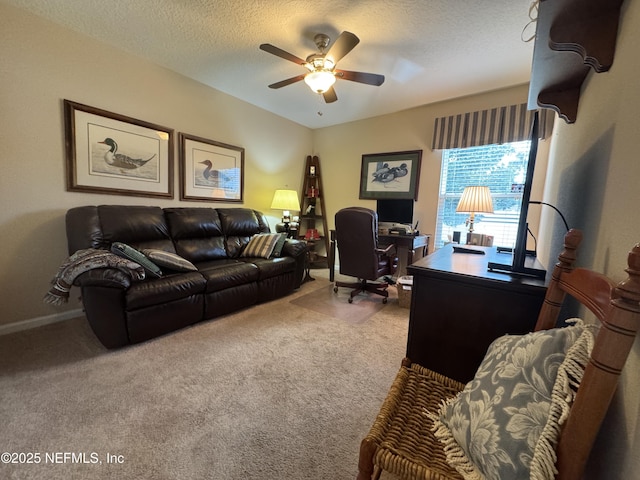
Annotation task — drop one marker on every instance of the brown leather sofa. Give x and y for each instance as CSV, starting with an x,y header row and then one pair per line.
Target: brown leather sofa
x,y
121,311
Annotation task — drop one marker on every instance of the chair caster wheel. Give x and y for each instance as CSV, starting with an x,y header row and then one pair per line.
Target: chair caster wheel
x,y
384,300
350,300
335,289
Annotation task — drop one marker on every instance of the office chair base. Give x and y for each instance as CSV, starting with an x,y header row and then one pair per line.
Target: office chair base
x,y
362,287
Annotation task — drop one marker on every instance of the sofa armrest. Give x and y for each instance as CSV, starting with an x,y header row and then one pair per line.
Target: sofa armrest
x,y
103,277
294,248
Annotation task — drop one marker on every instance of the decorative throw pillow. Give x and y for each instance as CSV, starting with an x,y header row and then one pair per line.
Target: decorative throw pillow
x,y
506,421
169,260
125,251
277,250
261,245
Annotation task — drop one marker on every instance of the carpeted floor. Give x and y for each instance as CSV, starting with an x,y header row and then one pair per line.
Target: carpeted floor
x,y
283,390
325,301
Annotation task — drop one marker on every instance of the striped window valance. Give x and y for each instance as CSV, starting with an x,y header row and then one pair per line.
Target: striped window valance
x,y
497,125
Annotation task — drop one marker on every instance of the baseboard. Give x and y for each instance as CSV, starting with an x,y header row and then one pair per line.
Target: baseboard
x,y
39,321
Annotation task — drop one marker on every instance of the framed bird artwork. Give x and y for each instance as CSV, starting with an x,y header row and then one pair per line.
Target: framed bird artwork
x,y
210,171
111,153
392,175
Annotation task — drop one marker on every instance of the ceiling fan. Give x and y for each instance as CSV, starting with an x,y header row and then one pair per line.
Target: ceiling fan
x,y
322,66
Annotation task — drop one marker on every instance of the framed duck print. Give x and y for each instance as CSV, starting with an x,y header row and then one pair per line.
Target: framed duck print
x,y
210,171
115,154
390,175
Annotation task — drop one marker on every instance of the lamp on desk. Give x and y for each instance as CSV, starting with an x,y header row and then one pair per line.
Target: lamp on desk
x,y
286,200
475,199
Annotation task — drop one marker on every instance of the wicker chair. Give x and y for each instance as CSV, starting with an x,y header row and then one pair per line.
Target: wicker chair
x,y
401,440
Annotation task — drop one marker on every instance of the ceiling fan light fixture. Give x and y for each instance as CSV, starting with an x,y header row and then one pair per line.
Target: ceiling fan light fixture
x,y
320,80
322,66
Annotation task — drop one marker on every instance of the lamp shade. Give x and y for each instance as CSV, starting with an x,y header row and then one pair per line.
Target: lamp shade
x,y
474,200
286,200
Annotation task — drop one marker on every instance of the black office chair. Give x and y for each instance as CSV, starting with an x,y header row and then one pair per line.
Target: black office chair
x,y
359,253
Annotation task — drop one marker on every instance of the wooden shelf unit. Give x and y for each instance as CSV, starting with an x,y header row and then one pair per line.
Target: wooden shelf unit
x,y
572,36
313,214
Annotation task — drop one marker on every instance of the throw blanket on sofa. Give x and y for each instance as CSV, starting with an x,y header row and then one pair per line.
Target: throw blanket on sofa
x,y
82,261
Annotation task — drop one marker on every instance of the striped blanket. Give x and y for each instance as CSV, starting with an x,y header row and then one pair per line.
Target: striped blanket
x,y
82,261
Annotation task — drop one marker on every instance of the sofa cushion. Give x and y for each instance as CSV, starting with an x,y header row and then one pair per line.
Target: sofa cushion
x,y
166,289
226,274
169,260
277,250
84,229
272,267
137,226
197,233
125,251
239,225
194,222
261,245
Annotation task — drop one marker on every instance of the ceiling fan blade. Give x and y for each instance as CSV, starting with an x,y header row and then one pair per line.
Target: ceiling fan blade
x,y
278,52
288,81
330,96
343,45
361,77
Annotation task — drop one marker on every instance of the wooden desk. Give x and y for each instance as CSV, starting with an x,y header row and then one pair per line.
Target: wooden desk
x,y
458,308
406,246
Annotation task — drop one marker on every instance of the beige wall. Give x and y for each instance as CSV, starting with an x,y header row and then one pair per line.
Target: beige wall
x,y
42,64
593,177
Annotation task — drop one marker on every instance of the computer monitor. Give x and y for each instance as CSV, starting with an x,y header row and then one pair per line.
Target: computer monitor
x,y
520,264
395,211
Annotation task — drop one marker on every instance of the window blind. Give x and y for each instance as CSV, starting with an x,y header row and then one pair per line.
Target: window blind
x,y
502,168
498,125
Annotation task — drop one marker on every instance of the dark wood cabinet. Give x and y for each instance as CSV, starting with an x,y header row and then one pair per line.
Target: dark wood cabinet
x,y
458,308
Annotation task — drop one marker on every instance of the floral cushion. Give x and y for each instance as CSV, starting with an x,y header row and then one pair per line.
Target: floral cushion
x,y
506,421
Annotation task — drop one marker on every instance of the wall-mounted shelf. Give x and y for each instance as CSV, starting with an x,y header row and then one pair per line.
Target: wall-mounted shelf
x,y
572,36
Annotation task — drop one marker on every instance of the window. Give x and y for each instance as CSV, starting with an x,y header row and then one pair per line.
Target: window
x,y
503,169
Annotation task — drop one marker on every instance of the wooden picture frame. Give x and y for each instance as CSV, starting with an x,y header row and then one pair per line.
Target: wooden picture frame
x,y
390,175
210,171
118,155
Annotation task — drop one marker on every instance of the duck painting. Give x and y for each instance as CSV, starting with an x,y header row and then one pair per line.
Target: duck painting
x,y
213,176
386,174
400,171
381,173
120,160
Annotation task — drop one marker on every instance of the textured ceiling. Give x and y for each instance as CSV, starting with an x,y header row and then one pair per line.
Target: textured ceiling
x,y
428,50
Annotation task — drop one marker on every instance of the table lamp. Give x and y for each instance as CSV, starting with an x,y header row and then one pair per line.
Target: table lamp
x,y
474,200
286,200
